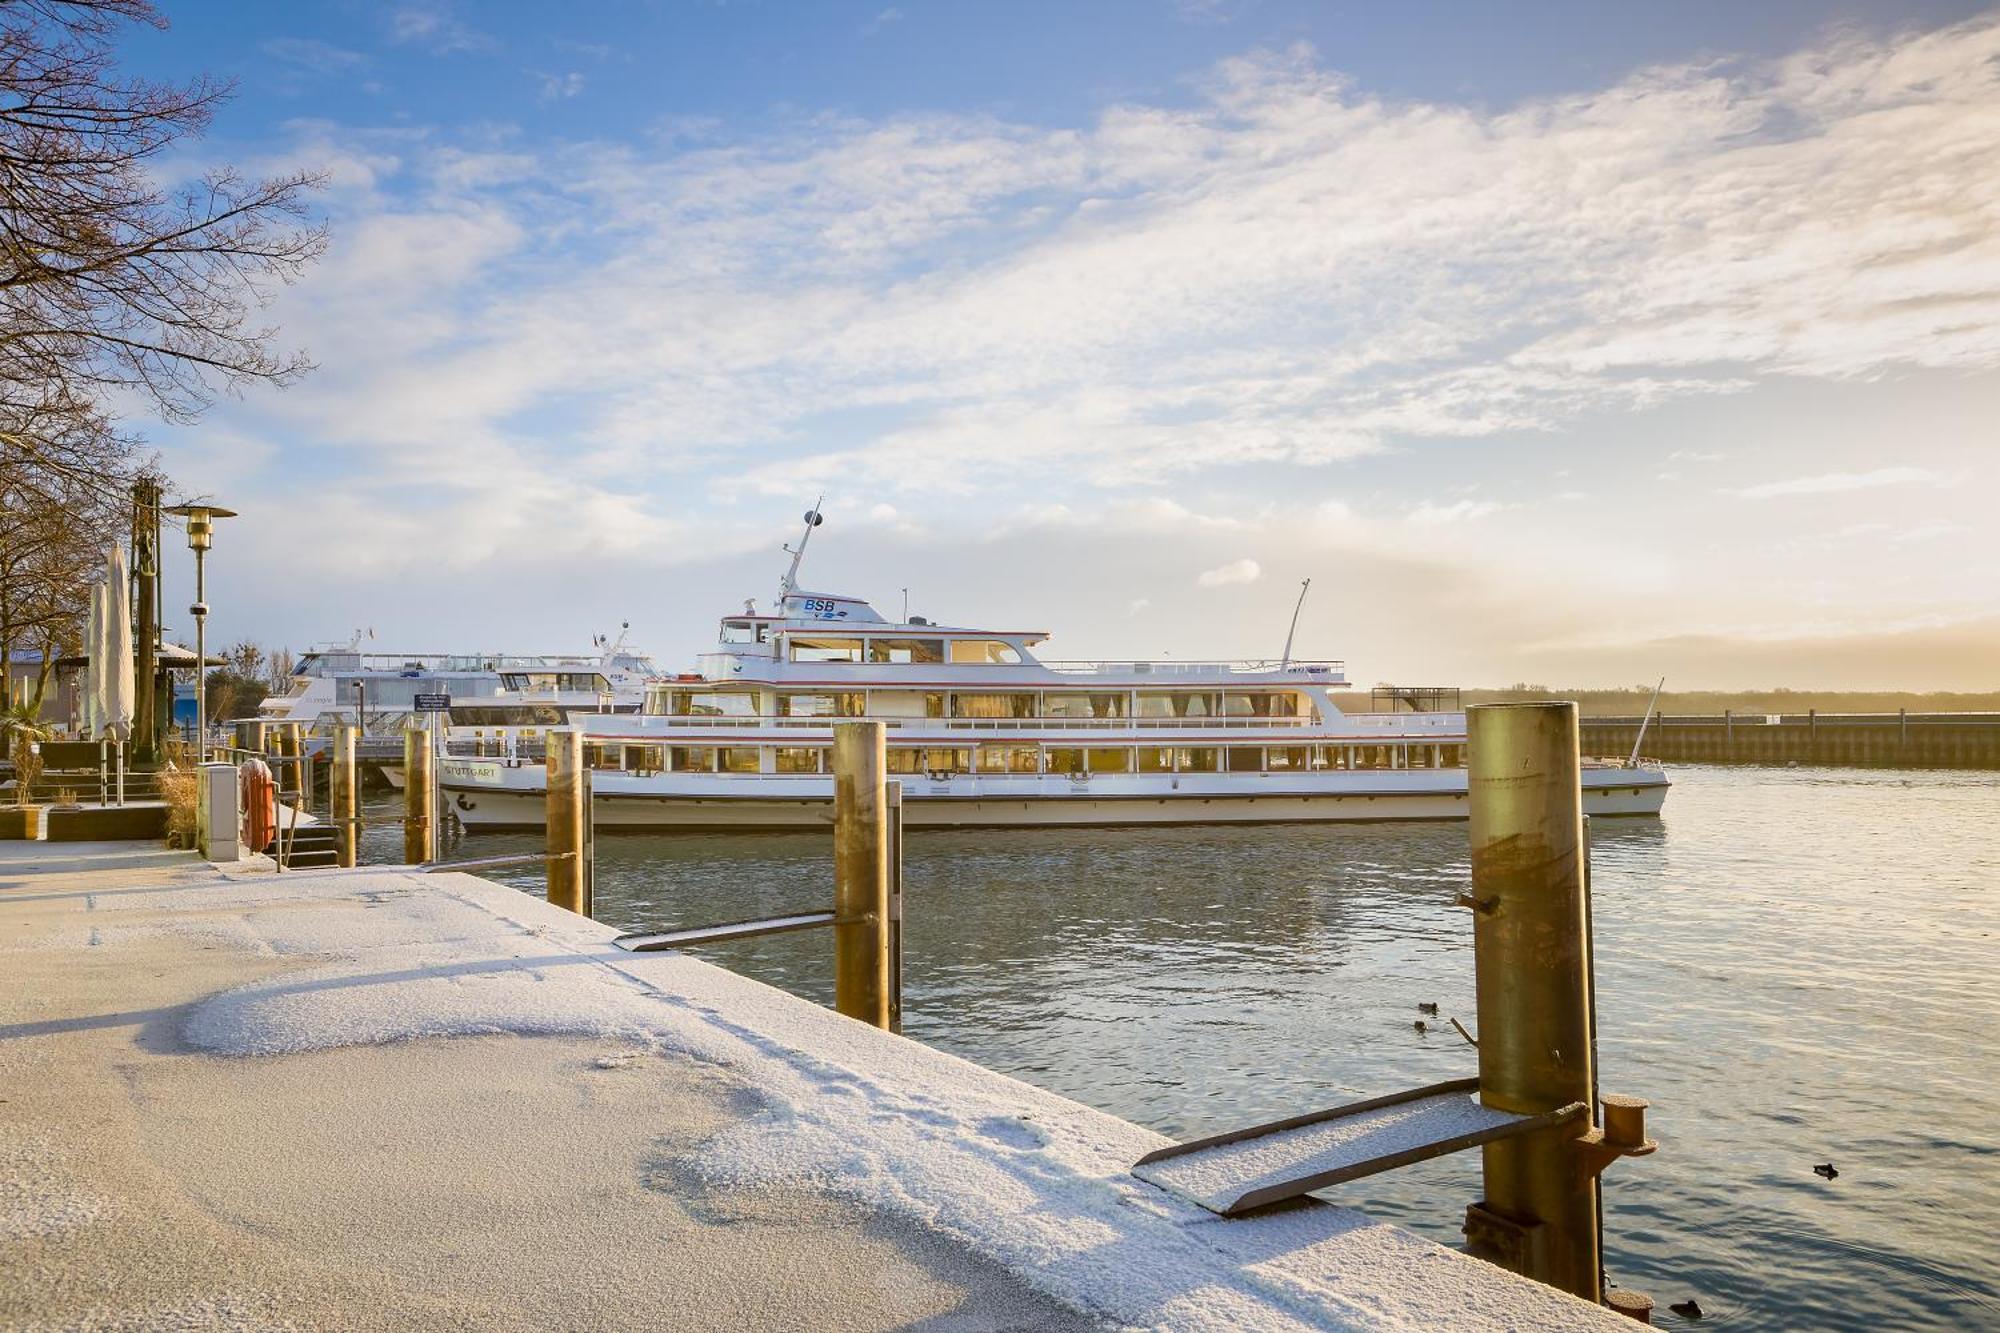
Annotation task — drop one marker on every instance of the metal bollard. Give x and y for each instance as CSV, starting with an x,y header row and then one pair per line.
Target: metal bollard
x,y
1531,961
419,792
569,822
861,873
343,792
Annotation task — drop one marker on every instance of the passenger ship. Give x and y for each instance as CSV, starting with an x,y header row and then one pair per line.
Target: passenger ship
x,y
982,733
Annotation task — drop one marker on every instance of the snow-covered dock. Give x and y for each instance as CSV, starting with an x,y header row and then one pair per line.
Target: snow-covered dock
x,y
372,1098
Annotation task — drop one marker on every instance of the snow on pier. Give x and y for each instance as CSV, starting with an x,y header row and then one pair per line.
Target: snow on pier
x,y
307,1099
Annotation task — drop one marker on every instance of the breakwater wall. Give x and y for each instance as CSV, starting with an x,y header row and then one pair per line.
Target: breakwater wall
x,y
1866,740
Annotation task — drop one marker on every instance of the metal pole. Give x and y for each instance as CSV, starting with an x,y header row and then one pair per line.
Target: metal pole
x,y
341,792
146,575
568,813
1532,967
289,750
861,872
894,792
200,612
418,847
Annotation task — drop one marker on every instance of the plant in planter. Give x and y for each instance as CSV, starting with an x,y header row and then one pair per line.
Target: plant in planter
x,y
25,735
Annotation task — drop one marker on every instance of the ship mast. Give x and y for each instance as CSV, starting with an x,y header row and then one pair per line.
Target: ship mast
x,y
791,580
1292,633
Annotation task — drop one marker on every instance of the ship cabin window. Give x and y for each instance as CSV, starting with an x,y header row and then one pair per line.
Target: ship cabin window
x,y
989,652
904,703
1198,759
1068,704
1374,756
601,756
848,703
692,758
645,758
799,759
1156,759
1246,758
930,760
1108,761
1063,759
1009,759
1178,703
1287,758
825,650
1451,756
737,758
906,650
1261,703
746,631
992,705
715,703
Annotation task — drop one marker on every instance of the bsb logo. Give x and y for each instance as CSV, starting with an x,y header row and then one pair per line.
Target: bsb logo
x,y
821,608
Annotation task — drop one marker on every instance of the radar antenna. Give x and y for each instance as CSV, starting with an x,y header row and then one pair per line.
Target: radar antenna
x,y
1291,633
791,581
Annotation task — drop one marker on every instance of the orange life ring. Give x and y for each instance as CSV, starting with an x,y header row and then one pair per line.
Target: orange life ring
x,y
260,804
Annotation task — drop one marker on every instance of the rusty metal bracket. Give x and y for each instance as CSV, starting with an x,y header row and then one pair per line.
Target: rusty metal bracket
x,y
1623,1135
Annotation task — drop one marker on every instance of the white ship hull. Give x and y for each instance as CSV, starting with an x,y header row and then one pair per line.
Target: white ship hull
x,y
494,796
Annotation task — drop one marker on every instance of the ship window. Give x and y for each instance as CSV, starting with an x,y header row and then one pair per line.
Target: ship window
x,y
644,758
1286,758
906,762
1109,761
799,759
1325,756
1009,759
609,757
992,705
1283,703
692,759
1156,759
738,758
906,650
1069,704
1178,703
719,703
947,761
1246,758
1200,759
1371,756
988,651
1063,759
845,704
739,631
826,650
1451,756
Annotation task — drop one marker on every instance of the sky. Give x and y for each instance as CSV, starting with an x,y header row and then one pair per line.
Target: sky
x,y
1562,343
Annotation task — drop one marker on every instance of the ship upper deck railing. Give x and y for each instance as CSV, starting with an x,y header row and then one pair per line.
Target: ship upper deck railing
x,y
1170,667
1388,726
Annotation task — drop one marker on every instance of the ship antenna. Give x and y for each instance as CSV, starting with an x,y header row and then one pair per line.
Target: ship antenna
x,y
1291,633
791,582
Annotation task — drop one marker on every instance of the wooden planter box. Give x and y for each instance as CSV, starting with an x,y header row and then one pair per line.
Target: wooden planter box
x,y
20,821
146,823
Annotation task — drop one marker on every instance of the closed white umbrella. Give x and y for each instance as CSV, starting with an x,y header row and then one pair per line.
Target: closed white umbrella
x,y
118,685
93,662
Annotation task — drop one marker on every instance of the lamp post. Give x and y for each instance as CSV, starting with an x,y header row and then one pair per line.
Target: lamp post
x,y
201,533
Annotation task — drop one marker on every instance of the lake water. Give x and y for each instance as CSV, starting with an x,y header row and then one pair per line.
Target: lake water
x,y
1794,965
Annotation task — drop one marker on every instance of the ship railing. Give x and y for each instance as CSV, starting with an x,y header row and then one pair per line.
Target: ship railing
x,y
712,722
1168,667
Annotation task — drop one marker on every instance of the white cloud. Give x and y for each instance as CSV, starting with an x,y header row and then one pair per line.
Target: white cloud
x,y
1458,511
1236,571
1832,483
556,87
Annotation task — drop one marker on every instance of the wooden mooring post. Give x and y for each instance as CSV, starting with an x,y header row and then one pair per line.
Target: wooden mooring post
x,y
1532,974
569,822
861,847
344,794
419,798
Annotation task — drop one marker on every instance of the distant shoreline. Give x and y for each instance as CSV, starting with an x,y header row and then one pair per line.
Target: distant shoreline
x,y
1632,702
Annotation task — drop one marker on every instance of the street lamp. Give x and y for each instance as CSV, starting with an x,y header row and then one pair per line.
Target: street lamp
x,y
201,533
